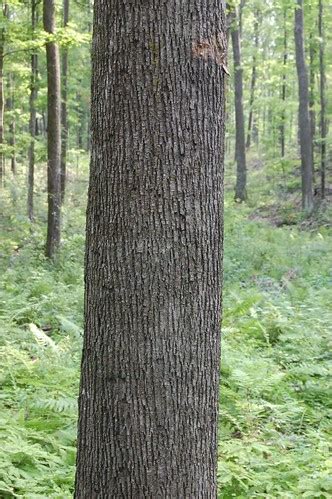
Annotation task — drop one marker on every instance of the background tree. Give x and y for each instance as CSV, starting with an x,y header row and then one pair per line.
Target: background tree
x,y
5,14
53,132
304,118
323,125
150,369
64,110
240,148
253,79
33,114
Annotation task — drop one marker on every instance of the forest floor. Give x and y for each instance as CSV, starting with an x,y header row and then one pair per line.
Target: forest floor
x,y
276,393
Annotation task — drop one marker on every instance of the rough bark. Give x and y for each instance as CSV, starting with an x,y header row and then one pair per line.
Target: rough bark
x,y
150,367
304,118
253,81
323,124
53,133
64,113
240,146
33,117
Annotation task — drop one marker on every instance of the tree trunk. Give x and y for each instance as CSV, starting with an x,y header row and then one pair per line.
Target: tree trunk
x,y
312,114
323,124
53,133
240,147
150,369
64,116
2,97
81,121
253,81
284,91
304,118
33,120
12,125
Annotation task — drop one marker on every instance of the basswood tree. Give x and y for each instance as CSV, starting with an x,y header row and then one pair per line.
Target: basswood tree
x,y
150,369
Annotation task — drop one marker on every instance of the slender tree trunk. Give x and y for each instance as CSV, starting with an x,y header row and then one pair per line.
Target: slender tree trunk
x,y
323,124
64,114
12,125
33,119
81,121
2,97
53,133
304,118
312,54
150,369
2,109
240,147
253,82
284,91
312,113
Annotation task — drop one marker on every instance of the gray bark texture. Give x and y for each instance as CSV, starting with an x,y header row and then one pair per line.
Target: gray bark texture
x,y
148,405
240,145
304,117
53,133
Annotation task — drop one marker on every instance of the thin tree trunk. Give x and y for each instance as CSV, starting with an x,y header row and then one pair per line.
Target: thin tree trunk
x,y
240,147
33,118
150,369
323,124
312,114
253,81
53,133
2,97
64,114
2,109
284,91
304,118
12,124
80,127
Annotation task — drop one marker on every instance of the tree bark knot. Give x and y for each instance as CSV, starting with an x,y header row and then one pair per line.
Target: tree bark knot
x,y
214,48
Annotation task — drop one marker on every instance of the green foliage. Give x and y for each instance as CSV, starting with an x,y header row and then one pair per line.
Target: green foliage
x,y
276,401
276,392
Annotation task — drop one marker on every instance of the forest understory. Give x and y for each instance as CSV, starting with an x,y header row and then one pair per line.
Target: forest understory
x,y
276,397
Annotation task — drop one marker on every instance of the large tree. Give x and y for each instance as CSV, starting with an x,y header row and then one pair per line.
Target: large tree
x,y
150,368
304,117
53,132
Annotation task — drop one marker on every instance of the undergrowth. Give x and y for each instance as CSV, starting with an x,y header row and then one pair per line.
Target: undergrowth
x,y
275,413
